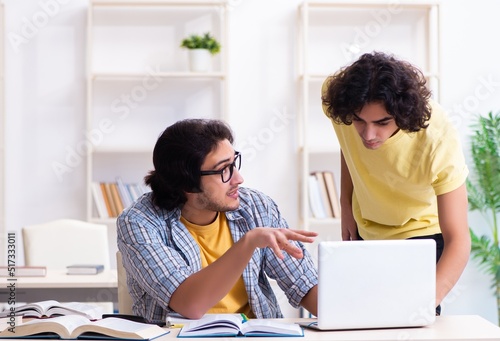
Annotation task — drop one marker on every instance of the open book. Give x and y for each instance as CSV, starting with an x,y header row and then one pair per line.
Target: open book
x,y
52,308
232,325
73,326
10,321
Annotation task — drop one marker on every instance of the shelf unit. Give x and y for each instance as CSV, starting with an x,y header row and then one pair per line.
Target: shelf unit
x,y
332,35
138,82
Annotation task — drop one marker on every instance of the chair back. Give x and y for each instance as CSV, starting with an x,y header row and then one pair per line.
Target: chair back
x,y
64,242
125,301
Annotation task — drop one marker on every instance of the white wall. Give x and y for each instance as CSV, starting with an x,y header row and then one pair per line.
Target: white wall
x,y
45,105
471,85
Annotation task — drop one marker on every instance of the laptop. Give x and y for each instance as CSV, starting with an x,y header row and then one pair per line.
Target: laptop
x,y
375,284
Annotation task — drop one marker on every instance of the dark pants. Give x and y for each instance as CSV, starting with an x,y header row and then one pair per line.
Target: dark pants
x,y
439,251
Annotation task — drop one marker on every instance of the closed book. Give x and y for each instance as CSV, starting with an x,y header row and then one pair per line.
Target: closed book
x,y
324,194
99,200
315,200
23,271
332,193
107,200
116,198
84,269
124,193
108,195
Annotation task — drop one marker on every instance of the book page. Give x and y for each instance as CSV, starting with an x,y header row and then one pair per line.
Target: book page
x,y
213,324
121,328
38,307
42,306
177,318
261,327
62,325
73,326
90,311
222,320
70,322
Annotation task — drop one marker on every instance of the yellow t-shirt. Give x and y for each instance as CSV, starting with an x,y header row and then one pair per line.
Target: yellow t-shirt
x,y
395,186
214,240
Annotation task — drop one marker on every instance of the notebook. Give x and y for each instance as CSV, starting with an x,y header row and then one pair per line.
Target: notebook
x,y
376,284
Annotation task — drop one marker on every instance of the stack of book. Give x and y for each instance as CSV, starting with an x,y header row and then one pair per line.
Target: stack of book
x,y
111,198
323,198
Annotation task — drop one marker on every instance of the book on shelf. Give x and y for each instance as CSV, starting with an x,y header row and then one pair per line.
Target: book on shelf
x,y
231,325
74,327
134,192
315,201
106,195
53,308
23,271
124,192
84,269
332,193
100,202
116,198
111,198
325,200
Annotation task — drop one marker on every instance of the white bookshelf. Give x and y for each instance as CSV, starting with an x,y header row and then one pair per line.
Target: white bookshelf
x,y
333,34
138,81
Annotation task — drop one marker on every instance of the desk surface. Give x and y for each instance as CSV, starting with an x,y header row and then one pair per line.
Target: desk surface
x,y
56,279
59,286
446,328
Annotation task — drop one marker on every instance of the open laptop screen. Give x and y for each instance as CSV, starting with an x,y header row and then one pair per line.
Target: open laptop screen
x,y
376,284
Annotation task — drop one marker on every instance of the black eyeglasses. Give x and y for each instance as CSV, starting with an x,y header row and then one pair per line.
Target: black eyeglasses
x,y
226,173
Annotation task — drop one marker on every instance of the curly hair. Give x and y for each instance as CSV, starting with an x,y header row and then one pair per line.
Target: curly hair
x,y
378,77
178,156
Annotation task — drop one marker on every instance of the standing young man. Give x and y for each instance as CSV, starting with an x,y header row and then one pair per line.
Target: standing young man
x,y
199,243
402,167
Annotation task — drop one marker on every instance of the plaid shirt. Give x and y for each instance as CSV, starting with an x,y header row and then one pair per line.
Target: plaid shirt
x,y
159,254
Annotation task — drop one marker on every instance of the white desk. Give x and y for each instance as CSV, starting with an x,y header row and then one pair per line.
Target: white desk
x,y
56,285
446,328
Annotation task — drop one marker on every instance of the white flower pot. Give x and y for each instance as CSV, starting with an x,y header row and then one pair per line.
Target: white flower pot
x,y
199,60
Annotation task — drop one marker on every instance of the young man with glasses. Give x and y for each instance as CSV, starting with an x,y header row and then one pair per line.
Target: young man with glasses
x,y
199,243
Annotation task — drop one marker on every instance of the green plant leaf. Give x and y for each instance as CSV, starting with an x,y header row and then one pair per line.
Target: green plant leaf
x,y
205,41
487,253
483,188
485,180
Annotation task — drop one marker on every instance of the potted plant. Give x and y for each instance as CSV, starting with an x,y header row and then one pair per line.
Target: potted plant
x,y
201,48
483,188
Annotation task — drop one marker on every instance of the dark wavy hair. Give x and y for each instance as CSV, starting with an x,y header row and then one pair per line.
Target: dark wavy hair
x,y
378,77
177,158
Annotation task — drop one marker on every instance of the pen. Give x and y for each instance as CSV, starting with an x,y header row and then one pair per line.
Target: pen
x,y
169,323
